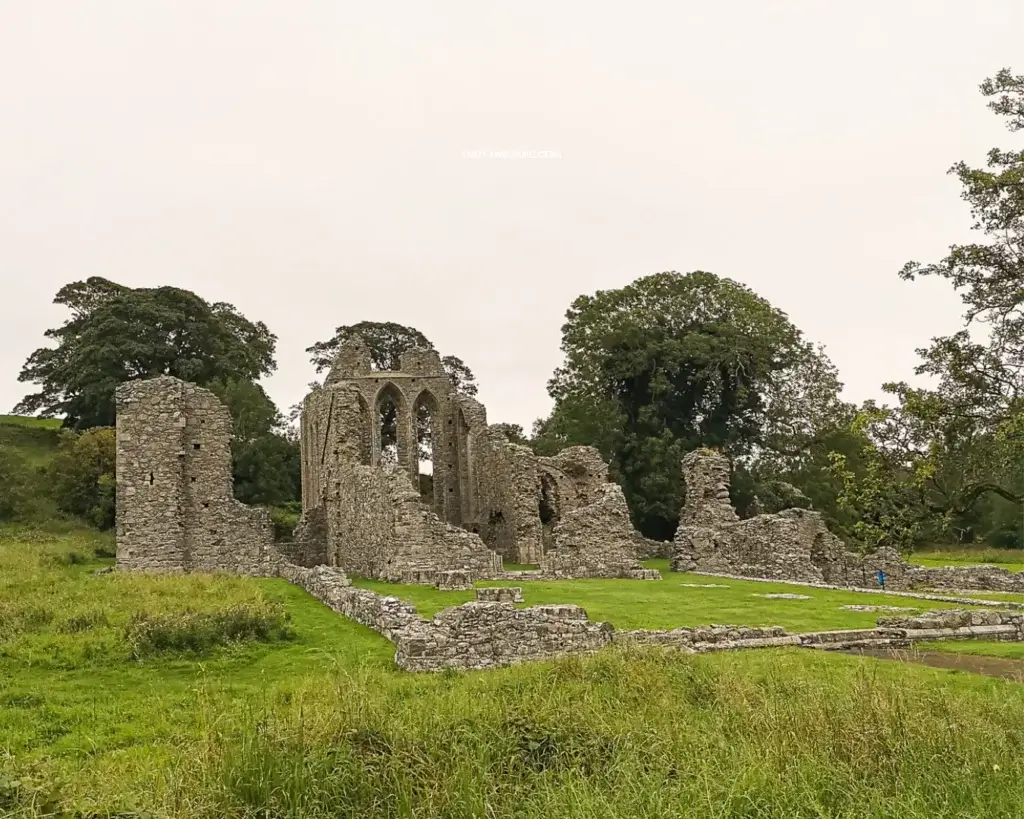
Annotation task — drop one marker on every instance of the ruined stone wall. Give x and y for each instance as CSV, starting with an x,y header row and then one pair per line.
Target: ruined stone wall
x,y
377,527
508,512
487,635
175,507
794,544
706,480
482,483
982,578
578,475
471,636
309,544
597,540
150,527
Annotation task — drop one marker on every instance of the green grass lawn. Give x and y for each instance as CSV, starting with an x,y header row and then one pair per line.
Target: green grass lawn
x,y
1011,651
1011,559
667,603
322,725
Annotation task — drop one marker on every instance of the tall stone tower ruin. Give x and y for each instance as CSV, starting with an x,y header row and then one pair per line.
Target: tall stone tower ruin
x,y
175,506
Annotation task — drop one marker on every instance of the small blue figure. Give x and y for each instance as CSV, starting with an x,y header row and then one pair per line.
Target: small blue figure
x,y
881,578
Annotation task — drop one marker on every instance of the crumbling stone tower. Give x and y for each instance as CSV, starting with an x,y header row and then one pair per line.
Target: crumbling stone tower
x,y
175,506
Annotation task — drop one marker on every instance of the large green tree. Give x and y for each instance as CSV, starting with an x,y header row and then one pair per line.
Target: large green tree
x,y
81,476
672,362
265,450
962,438
117,333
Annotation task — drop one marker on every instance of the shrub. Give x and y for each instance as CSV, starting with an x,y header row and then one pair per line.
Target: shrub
x,y
18,482
96,618
197,633
82,476
285,518
16,618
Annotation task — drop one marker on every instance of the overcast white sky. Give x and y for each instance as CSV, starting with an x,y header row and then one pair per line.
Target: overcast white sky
x,y
303,160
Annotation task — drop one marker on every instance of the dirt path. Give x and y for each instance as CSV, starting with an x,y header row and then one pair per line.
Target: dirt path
x,y
1000,667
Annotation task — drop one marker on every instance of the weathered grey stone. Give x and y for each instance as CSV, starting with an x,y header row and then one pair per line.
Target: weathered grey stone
x,y
175,506
795,545
473,635
491,499
784,596
454,580
500,594
597,540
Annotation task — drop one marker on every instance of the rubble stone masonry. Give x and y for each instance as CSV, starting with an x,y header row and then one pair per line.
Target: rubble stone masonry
x,y
175,506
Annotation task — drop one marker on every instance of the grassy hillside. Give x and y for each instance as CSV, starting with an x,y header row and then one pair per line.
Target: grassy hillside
x,y
116,699
35,439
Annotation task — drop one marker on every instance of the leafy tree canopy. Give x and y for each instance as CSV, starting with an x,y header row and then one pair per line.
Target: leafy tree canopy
x,y
265,451
962,440
118,334
81,476
672,362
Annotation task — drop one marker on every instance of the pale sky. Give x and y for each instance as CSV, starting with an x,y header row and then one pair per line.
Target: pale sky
x,y
304,161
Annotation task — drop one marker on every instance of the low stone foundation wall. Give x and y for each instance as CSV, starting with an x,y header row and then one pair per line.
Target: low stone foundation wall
x,y
500,594
332,587
470,636
487,634
981,578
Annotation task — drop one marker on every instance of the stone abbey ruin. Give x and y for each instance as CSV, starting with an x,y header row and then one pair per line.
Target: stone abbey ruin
x,y
363,511
368,512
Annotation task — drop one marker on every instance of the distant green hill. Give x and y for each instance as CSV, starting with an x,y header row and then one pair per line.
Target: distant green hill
x,y
35,439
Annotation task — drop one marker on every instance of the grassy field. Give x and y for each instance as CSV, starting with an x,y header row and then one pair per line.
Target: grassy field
x,y
1011,559
316,722
668,603
35,439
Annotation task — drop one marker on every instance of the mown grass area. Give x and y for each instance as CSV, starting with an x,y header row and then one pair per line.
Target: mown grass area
x,y
1011,559
1011,651
668,603
318,723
